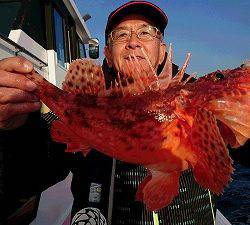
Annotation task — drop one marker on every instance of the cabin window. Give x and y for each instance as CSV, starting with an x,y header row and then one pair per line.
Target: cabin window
x,y
82,51
59,38
8,13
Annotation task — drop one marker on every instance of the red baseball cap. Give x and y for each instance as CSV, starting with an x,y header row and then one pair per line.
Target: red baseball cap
x,y
147,9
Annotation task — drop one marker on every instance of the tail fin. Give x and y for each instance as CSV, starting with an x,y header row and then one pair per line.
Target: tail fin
x,y
52,96
158,189
45,88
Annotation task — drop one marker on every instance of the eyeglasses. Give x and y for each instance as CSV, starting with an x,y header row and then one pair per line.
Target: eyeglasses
x,y
145,33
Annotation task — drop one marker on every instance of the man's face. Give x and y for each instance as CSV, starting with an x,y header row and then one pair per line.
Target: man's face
x,y
118,53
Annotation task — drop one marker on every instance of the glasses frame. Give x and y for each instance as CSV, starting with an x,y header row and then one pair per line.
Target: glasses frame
x,y
111,40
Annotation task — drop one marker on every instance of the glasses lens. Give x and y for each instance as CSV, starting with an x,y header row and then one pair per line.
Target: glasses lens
x,y
120,35
147,33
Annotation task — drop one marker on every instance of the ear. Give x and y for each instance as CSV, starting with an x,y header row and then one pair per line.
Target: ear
x,y
163,48
108,54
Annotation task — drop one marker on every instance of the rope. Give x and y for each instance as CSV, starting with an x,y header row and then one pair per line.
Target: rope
x,y
155,218
211,205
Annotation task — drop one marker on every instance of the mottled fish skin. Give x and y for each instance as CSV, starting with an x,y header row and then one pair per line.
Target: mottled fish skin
x,y
167,130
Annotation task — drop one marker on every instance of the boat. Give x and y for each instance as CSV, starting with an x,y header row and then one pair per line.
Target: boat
x,y
50,34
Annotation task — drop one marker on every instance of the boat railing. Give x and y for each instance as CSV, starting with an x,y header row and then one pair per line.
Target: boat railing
x,y
19,49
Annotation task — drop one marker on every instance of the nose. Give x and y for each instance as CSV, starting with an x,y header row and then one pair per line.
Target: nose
x,y
133,42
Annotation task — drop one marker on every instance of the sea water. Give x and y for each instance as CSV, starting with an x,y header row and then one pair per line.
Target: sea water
x,y
235,202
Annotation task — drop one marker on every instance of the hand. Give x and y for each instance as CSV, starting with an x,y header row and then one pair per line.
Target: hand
x,y
16,97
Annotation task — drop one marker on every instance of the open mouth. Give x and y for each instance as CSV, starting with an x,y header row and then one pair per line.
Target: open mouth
x,y
133,57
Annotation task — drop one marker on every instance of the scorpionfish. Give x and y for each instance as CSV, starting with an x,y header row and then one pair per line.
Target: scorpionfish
x,y
164,122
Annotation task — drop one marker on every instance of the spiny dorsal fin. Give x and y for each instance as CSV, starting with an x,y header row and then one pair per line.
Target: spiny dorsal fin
x,y
166,74
165,77
179,76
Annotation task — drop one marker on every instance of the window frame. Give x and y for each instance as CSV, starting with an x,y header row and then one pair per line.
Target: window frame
x,y
70,33
65,41
78,48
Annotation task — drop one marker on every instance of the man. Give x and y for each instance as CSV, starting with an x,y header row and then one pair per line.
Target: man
x,y
132,30
136,29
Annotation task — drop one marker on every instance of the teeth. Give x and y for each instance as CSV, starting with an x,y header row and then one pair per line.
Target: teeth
x,y
133,57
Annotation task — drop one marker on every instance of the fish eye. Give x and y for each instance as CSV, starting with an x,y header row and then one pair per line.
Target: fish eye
x,y
219,76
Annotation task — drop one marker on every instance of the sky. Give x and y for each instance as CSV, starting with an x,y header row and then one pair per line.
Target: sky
x,y
215,32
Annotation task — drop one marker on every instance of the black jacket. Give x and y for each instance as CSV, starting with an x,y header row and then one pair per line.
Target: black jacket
x,y
32,162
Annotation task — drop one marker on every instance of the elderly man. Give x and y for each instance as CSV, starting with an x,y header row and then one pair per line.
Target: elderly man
x,y
135,29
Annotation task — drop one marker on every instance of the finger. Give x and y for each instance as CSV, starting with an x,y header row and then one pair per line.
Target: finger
x,y
7,111
14,95
16,64
14,80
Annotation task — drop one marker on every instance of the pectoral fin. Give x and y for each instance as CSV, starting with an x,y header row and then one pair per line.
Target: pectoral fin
x,y
214,166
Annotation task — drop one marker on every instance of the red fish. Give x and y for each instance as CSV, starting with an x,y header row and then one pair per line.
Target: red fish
x,y
166,124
